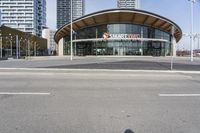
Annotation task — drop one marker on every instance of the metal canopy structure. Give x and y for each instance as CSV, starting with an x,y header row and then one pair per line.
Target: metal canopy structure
x,y
121,16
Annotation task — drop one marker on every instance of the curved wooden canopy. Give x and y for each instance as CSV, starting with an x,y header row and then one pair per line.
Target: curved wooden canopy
x,y
120,16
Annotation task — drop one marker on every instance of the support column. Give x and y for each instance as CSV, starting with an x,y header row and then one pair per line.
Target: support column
x,y
60,47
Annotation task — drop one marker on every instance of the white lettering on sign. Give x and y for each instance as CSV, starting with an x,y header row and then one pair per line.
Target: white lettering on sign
x,y
125,36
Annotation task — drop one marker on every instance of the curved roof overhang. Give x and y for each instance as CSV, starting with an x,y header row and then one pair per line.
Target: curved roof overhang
x,y
121,16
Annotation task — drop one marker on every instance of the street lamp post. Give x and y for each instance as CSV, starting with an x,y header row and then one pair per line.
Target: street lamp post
x,y
192,30
28,52
173,51
35,49
71,33
10,45
74,44
17,47
1,46
20,46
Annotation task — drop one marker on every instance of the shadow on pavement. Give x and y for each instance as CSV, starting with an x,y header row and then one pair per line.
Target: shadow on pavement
x,y
128,131
133,65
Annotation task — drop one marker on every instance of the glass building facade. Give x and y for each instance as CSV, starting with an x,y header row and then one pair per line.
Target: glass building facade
x,y
24,15
134,4
89,41
64,11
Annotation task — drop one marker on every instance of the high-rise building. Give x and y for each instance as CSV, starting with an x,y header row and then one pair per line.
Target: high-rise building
x,y
0,17
51,44
128,4
64,11
25,15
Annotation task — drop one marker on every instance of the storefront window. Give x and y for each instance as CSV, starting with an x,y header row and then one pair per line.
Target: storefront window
x,y
119,48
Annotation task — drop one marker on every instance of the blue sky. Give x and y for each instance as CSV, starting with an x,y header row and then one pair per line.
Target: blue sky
x,y
176,10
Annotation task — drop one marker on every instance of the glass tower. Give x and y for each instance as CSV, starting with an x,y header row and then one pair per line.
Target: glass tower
x,y
25,15
128,4
64,11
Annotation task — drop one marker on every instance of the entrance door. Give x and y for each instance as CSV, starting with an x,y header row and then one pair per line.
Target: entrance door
x,y
80,49
156,49
84,49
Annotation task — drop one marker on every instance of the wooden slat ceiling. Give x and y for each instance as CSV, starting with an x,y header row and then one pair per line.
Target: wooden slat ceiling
x,y
120,16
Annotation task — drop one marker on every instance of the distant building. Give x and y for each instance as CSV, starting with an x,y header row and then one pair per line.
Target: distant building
x,y
25,15
0,17
134,4
51,44
18,44
64,11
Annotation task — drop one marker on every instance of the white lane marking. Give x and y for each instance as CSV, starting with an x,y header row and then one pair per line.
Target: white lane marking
x,y
101,70
179,95
23,93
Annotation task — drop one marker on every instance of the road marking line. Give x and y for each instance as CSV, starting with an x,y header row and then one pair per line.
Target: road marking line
x,y
179,95
23,93
102,70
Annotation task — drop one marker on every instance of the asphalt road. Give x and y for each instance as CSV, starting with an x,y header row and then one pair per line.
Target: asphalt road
x,y
98,102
